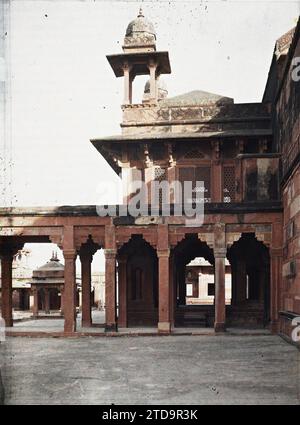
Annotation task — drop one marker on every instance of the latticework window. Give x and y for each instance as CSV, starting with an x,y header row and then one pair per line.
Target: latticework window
x,y
160,175
193,154
228,183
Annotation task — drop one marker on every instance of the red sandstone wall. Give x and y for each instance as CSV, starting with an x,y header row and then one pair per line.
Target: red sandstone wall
x,y
291,238
288,141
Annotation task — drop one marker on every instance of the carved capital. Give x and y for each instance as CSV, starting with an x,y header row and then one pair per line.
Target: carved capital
x,y
220,252
163,253
110,254
70,254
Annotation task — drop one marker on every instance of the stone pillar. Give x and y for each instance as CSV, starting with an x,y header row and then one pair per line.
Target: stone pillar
x,y
110,290
122,282
153,90
86,276
70,291
220,255
164,323
275,281
6,290
35,307
127,84
47,300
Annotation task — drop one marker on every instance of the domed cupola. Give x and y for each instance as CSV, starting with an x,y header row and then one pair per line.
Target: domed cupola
x,y
140,35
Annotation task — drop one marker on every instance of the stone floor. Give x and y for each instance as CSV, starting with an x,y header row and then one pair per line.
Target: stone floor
x,y
147,370
24,324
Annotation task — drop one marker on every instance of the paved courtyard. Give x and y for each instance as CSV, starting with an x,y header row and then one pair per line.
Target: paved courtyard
x,y
150,370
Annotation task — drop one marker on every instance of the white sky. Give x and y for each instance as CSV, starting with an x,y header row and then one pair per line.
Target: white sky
x,y
63,91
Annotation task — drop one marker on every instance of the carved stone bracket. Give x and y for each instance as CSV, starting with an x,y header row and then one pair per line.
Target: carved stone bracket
x,y
208,238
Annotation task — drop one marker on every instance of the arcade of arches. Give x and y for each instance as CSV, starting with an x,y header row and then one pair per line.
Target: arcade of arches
x,y
145,271
243,157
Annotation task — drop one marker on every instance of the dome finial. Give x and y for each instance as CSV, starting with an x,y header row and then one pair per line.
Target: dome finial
x,y
140,15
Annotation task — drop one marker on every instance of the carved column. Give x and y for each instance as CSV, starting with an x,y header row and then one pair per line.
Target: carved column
x,y
127,84
70,291
110,290
86,261
164,323
35,307
6,291
152,70
220,255
122,283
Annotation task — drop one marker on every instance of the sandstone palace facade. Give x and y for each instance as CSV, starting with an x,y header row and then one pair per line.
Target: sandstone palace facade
x,y
248,158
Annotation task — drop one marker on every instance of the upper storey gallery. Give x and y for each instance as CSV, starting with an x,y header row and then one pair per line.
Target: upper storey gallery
x,y
190,136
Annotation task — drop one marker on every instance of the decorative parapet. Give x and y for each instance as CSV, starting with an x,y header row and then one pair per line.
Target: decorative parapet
x,y
141,118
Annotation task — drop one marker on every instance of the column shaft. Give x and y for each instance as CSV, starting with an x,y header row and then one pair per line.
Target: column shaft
x,y
6,279
110,290
219,293
70,291
127,85
164,324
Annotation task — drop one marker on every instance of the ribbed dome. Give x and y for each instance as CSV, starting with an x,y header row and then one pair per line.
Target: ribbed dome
x,y
140,25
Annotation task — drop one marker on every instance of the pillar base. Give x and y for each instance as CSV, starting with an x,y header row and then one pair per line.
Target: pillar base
x,y
164,327
86,323
9,322
111,327
70,327
220,327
